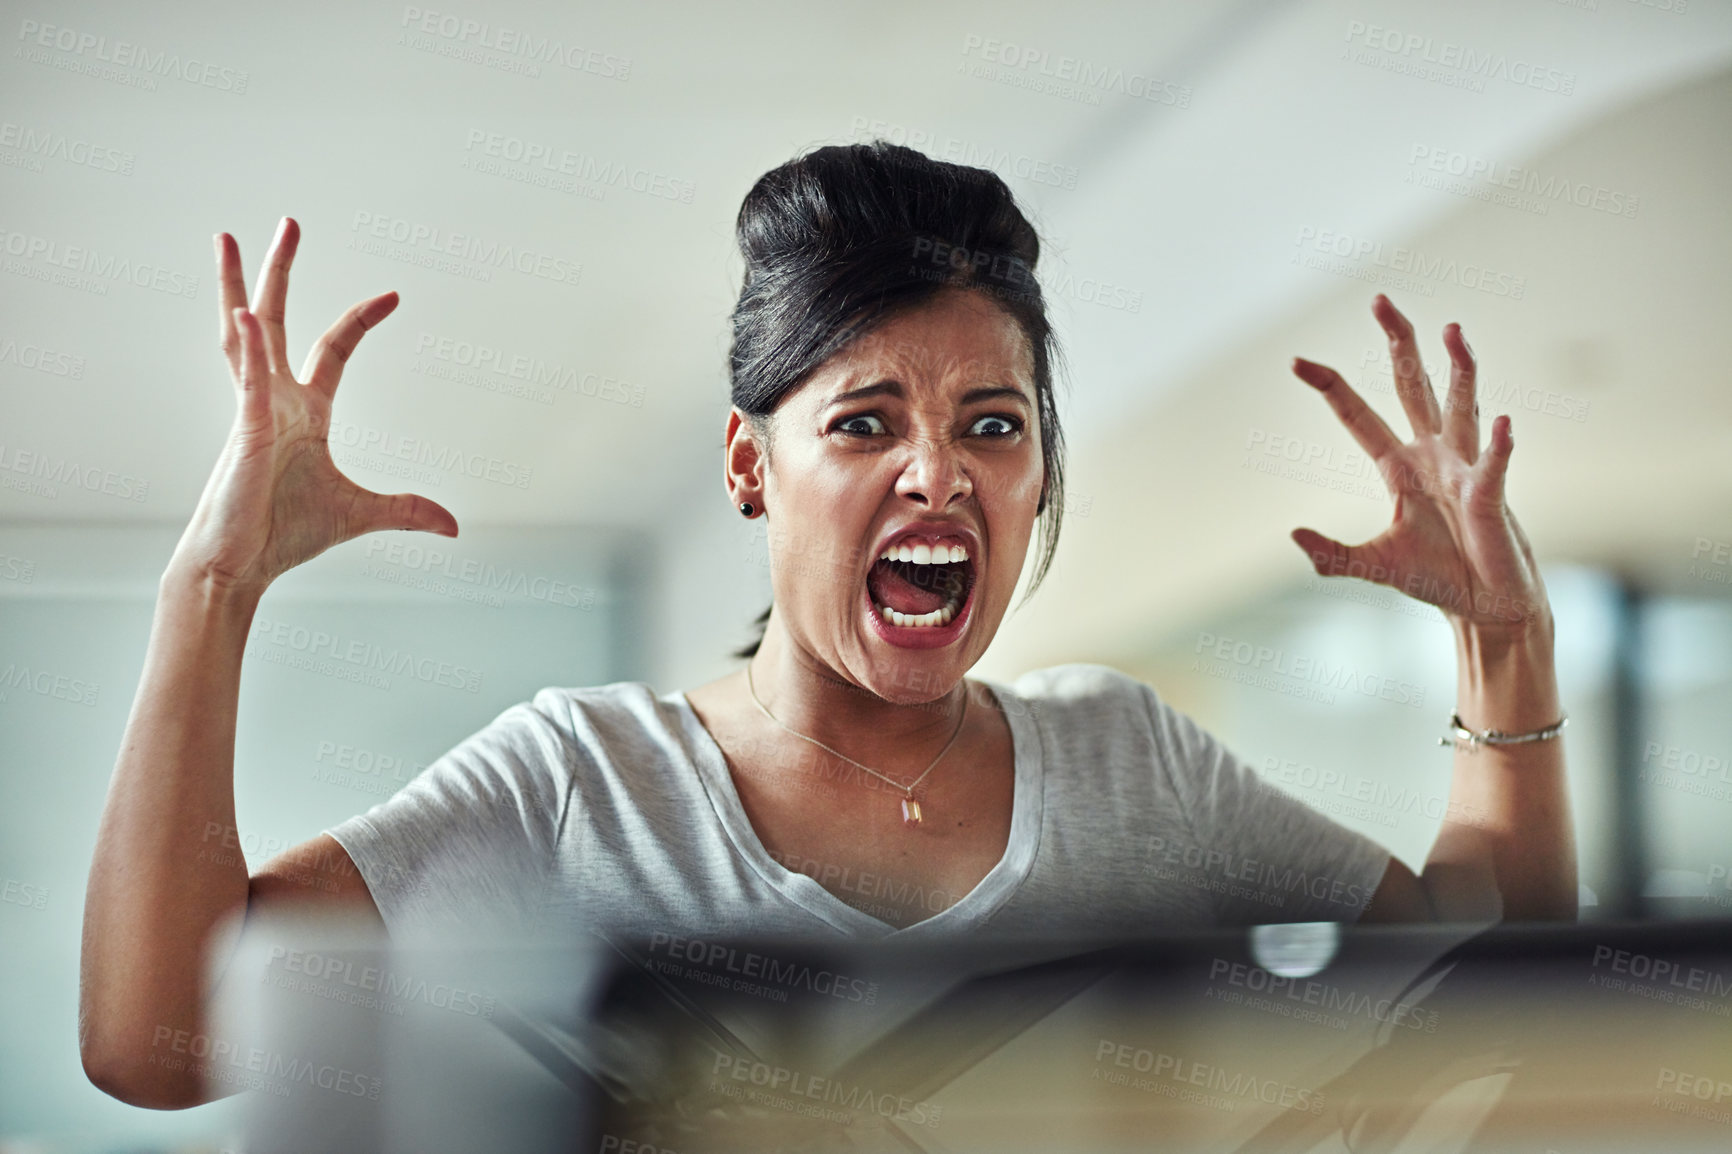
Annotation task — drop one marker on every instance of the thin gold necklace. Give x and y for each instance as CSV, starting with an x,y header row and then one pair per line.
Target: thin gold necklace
x,y
911,814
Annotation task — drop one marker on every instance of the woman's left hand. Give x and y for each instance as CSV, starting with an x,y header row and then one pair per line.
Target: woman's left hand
x,y
1454,542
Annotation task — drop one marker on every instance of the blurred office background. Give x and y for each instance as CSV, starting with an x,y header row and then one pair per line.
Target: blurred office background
x,y
1227,188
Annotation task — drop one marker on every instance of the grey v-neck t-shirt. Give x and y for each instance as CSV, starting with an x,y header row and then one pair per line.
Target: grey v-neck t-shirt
x,y
611,808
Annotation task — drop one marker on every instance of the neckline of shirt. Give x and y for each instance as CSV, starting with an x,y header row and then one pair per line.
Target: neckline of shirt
x,y
979,903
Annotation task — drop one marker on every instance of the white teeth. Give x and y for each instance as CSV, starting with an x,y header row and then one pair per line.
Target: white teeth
x,y
941,616
923,554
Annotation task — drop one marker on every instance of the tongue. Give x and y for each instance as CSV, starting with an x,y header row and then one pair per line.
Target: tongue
x,y
889,587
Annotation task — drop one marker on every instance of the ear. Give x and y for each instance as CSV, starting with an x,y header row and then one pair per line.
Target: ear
x,y
744,463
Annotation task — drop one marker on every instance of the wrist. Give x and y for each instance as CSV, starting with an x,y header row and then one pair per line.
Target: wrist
x,y
189,585
1507,676
1529,639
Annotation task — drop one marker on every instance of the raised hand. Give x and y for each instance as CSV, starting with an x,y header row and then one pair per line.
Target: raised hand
x,y
1454,542
275,498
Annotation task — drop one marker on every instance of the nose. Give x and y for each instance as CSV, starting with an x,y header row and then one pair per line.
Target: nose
x,y
934,475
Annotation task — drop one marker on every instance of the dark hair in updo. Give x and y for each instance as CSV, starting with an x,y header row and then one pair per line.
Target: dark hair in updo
x,y
841,240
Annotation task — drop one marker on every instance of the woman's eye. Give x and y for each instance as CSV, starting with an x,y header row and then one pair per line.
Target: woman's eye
x,y
1008,426
860,419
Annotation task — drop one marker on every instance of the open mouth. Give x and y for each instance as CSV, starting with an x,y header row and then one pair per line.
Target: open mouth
x,y
920,590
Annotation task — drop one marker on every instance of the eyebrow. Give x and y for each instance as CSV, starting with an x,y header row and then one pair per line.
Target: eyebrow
x,y
894,388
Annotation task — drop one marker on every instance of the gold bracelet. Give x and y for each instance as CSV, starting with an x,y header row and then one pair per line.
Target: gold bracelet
x,y
1458,731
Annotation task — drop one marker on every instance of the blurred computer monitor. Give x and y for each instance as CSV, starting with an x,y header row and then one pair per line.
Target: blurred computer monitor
x,y
1290,1038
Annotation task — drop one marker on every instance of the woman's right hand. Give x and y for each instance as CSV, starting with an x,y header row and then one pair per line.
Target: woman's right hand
x,y
275,498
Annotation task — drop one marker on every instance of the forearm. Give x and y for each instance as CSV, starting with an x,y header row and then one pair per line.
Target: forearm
x,y
168,865
1509,821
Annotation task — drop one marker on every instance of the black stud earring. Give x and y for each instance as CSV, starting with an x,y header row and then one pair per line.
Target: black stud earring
x,y
746,509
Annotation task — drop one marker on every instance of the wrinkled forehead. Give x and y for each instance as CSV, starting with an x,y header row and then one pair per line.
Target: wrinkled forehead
x,y
935,350
925,361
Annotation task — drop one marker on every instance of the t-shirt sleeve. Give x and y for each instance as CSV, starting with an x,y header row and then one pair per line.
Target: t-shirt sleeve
x,y
465,848
1262,853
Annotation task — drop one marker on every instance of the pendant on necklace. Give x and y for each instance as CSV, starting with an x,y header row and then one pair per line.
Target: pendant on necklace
x,y
910,811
